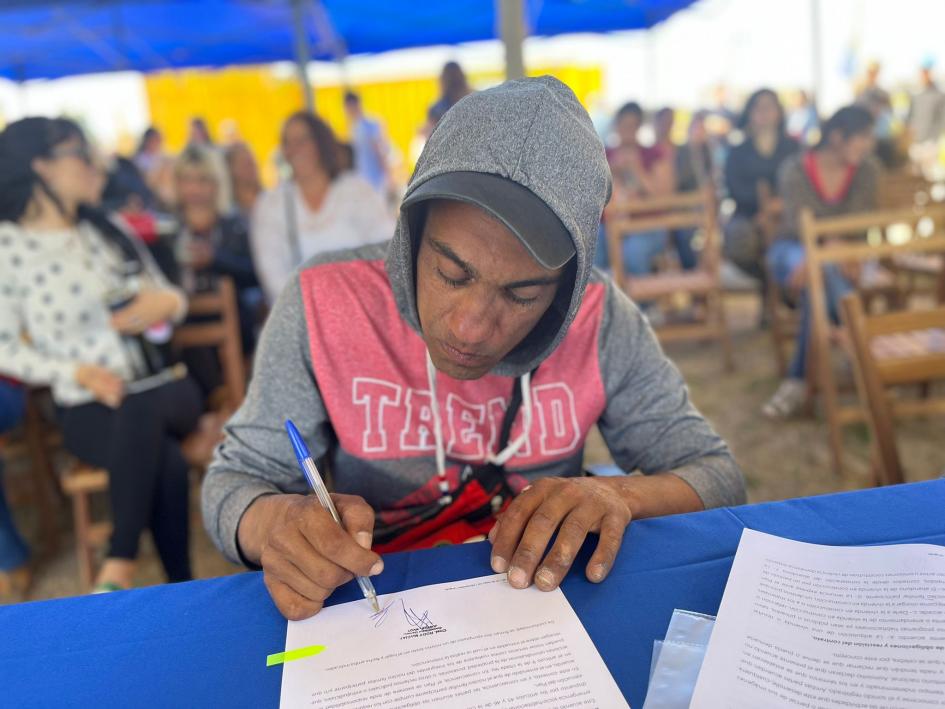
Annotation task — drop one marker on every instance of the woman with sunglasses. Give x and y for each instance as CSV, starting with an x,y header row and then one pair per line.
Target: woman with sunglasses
x,y
81,308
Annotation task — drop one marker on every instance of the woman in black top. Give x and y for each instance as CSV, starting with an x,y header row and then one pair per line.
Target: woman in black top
x,y
757,159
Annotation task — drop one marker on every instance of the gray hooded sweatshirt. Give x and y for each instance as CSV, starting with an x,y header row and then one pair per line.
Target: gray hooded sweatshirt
x,y
341,354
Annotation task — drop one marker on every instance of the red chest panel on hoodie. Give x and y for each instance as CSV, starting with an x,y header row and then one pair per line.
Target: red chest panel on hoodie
x,y
371,372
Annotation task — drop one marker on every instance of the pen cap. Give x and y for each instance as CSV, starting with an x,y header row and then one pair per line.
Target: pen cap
x,y
298,445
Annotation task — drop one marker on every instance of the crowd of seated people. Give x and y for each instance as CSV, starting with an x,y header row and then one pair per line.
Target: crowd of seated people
x,y
831,167
98,259
639,171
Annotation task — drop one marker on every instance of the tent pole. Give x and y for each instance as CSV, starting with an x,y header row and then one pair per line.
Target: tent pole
x,y
302,54
23,98
512,30
818,68
650,64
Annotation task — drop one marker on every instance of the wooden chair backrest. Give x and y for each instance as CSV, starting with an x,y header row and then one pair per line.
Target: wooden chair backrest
x,y
821,237
684,210
903,188
911,350
862,237
902,361
222,333
837,240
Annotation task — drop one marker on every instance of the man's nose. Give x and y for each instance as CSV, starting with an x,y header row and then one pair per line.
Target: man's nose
x,y
473,319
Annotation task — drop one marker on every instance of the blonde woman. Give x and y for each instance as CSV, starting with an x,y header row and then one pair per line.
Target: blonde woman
x,y
211,243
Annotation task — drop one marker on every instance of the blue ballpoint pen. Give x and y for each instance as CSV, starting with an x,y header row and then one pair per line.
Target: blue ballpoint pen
x,y
318,485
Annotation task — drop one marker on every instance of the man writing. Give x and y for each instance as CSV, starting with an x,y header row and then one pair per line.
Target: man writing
x,y
450,378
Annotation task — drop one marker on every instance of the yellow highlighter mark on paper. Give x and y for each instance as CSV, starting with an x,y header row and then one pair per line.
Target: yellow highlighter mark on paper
x,y
289,655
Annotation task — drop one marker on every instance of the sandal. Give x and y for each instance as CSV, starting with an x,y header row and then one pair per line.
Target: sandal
x,y
787,400
107,587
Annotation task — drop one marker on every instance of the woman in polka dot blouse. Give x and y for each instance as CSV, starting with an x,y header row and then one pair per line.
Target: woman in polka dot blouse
x,y
58,268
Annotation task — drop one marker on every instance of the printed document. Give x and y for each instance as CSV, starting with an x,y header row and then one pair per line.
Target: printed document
x,y
472,643
804,625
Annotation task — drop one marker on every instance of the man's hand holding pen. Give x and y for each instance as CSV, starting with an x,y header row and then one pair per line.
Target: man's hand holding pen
x,y
304,553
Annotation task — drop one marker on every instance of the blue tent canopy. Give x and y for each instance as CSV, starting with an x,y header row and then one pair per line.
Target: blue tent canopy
x,y
66,37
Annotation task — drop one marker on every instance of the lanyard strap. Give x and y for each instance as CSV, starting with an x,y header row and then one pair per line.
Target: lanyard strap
x,y
521,394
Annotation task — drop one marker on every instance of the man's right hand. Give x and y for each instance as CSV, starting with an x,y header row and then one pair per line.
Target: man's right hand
x,y
304,553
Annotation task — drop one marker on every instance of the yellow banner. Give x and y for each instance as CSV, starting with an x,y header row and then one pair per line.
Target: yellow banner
x,y
250,104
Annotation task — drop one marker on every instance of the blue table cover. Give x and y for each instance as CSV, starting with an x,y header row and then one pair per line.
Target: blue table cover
x,y
204,643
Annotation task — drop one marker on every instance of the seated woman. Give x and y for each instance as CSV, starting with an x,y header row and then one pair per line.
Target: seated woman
x,y
755,160
638,172
836,177
81,307
245,185
211,244
322,208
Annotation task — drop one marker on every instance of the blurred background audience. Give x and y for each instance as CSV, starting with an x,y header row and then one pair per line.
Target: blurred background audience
x,y
110,249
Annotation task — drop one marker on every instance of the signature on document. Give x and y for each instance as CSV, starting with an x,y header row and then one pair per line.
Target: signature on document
x,y
418,622
414,619
379,617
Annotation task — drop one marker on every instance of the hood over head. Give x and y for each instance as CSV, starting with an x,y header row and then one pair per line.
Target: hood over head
x,y
535,134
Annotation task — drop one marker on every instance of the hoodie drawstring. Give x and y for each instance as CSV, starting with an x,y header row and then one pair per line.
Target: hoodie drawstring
x,y
501,458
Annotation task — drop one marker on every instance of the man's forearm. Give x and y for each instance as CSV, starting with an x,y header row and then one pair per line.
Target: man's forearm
x,y
657,495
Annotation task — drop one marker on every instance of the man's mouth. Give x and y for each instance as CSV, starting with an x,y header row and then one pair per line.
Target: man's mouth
x,y
461,357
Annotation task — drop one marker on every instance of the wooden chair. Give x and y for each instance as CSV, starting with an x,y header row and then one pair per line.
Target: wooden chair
x,y
81,481
691,210
783,321
222,333
918,272
34,441
899,189
892,349
822,247
923,273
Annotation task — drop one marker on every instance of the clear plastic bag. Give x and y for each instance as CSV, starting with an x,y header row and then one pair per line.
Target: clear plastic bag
x,y
677,660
